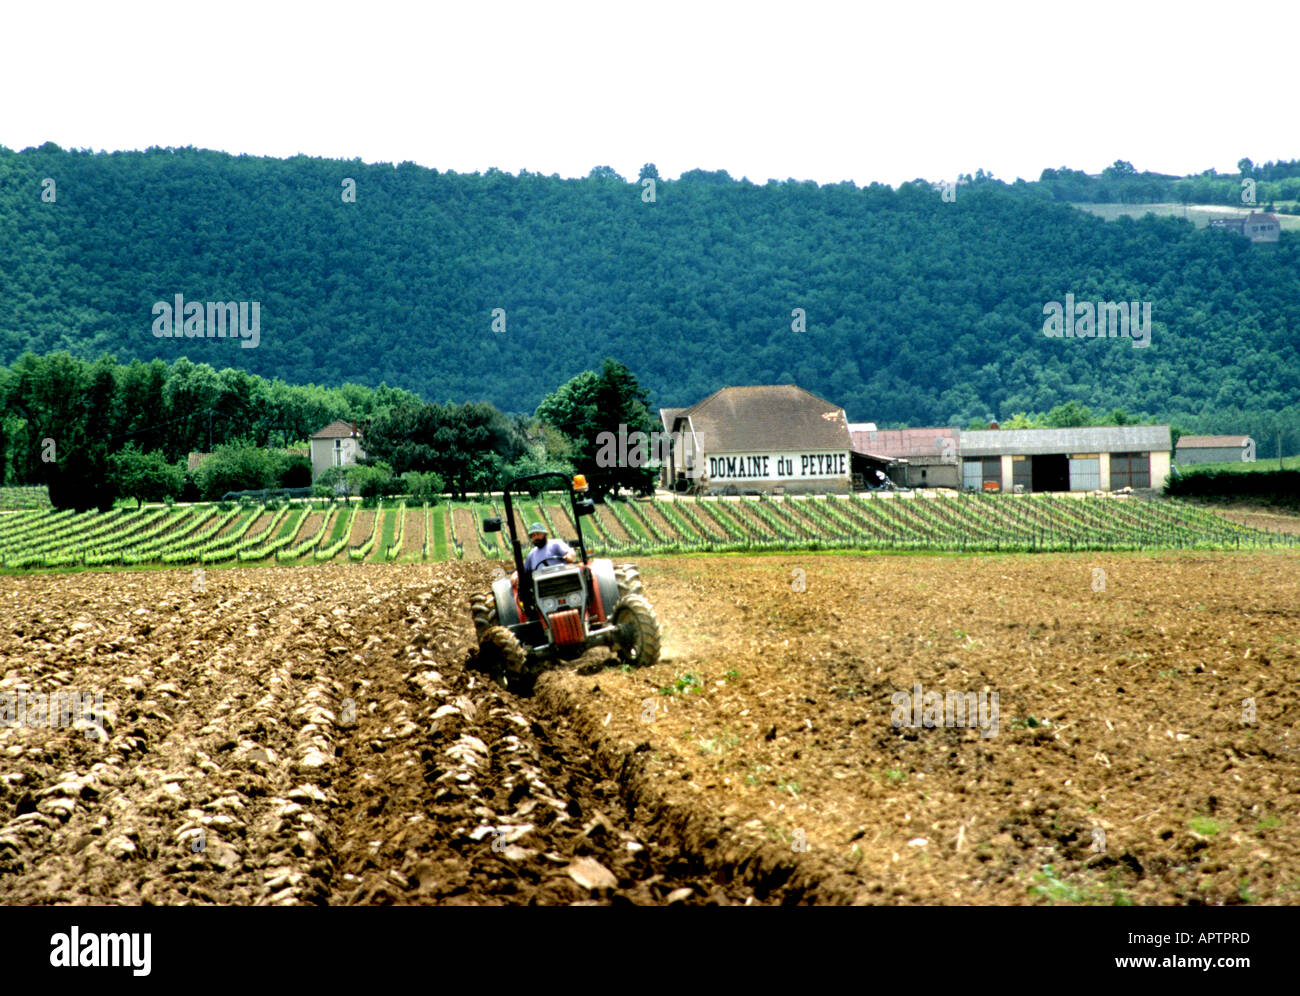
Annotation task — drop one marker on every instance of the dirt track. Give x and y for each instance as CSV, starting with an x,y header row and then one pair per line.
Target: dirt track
x,y
310,735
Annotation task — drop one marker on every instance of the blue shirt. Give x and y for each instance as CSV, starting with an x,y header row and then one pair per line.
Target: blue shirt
x,y
553,548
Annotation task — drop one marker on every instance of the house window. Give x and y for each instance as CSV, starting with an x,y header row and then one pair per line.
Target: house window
x,y
338,453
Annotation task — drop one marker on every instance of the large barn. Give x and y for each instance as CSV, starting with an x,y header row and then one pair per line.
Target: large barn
x,y
1103,458
765,438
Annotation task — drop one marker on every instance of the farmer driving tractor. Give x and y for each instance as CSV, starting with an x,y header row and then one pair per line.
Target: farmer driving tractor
x,y
544,552
563,601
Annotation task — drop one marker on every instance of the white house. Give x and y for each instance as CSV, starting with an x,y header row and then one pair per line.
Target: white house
x,y
336,445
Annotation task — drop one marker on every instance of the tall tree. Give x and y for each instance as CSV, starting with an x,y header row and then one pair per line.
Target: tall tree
x,y
601,415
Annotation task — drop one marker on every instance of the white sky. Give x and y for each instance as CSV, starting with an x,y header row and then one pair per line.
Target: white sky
x,y
810,90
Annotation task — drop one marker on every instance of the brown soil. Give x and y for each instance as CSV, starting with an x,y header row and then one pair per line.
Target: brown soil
x,y
308,528
1260,517
1121,759
233,524
361,529
743,510
522,521
711,528
563,522
312,735
611,524
308,736
301,531
657,517
413,537
466,533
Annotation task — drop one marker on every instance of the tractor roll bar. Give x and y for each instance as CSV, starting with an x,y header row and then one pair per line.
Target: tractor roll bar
x,y
534,485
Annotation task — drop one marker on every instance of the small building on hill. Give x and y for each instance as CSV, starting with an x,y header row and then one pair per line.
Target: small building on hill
x,y
1105,458
336,445
1256,226
762,438
1214,449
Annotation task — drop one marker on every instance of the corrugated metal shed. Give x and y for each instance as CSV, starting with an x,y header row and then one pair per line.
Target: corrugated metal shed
x,y
1091,439
1211,442
909,444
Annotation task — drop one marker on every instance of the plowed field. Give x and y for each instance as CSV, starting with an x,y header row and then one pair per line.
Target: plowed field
x,y
311,735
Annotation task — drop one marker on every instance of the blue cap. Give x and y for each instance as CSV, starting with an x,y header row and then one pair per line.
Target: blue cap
x,y
536,527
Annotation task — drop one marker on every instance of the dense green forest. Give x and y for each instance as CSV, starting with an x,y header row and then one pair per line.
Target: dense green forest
x,y
1275,186
916,309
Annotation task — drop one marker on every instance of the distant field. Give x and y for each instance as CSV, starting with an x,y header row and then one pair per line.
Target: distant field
x,y
25,496
208,534
1197,214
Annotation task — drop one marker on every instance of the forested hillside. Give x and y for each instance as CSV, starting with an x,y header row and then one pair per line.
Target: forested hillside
x,y
918,310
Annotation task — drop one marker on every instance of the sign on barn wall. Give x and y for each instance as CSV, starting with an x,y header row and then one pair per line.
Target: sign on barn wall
x,y
777,466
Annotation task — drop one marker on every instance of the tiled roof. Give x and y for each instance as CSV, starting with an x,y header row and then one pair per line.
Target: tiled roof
x,y
775,417
338,429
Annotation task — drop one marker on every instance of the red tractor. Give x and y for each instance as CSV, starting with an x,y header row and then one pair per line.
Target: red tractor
x,y
561,609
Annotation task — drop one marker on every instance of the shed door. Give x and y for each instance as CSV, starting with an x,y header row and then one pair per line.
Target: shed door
x,y
1130,470
1085,472
1022,472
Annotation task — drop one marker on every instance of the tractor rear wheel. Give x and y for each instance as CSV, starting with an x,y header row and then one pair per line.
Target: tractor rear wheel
x,y
501,656
638,638
484,610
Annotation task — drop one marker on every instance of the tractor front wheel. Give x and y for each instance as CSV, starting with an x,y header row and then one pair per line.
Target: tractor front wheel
x,y
638,631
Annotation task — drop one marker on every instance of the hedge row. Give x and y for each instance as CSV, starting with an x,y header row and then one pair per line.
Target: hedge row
x,y
1276,485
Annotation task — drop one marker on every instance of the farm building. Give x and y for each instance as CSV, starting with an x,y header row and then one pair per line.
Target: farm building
x,y
1080,459
1256,226
1214,449
920,458
761,438
336,445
